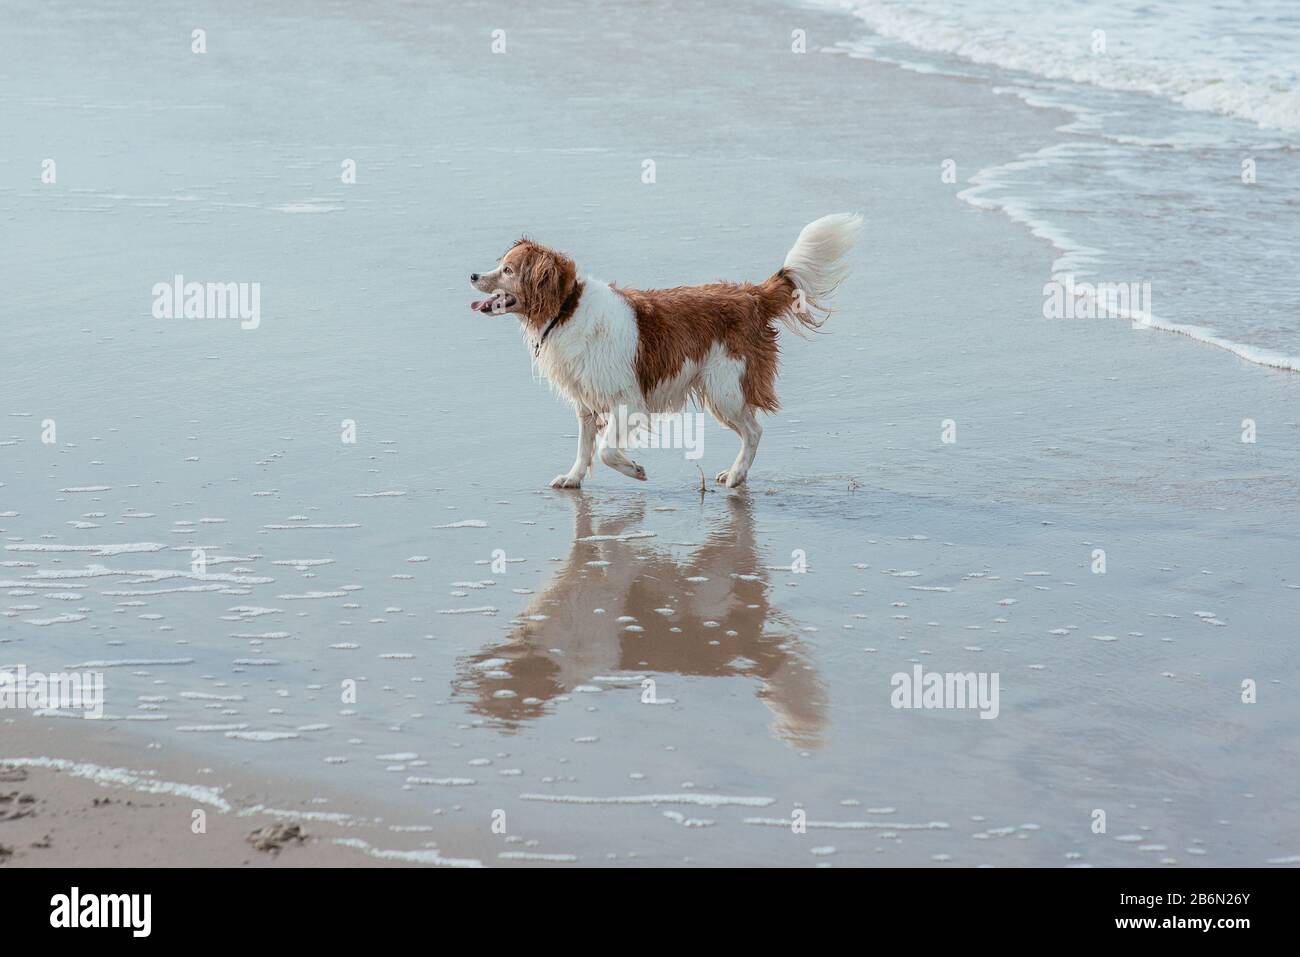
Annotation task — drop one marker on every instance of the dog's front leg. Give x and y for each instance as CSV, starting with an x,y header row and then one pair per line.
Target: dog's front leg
x,y
612,442
588,425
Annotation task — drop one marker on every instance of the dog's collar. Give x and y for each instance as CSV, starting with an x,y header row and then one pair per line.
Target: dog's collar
x,y
566,309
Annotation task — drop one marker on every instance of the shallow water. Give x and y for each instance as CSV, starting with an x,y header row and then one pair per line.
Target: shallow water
x,y
499,635
1180,167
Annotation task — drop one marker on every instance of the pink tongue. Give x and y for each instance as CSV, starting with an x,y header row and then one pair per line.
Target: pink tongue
x,y
478,304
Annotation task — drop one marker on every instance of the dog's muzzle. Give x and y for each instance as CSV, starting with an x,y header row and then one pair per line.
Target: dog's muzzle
x,y
494,304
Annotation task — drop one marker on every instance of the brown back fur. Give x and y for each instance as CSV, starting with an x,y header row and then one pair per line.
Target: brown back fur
x,y
683,323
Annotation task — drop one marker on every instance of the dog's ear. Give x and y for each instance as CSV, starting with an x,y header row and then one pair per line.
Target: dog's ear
x,y
547,282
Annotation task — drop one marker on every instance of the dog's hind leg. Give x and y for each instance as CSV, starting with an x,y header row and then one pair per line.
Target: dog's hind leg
x,y
612,441
724,396
745,424
588,425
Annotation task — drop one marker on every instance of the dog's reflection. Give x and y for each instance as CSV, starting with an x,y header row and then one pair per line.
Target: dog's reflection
x,y
707,613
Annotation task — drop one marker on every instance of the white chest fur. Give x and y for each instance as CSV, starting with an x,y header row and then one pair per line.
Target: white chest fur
x,y
591,358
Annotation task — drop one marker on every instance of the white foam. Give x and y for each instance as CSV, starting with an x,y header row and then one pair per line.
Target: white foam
x,y
210,727
56,620
427,856
137,592
1163,48
100,551
314,525
850,825
130,663
252,611
300,208
145,576
138,781
703,800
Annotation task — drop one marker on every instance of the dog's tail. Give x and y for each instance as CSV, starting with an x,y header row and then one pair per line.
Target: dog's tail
x,y
814,268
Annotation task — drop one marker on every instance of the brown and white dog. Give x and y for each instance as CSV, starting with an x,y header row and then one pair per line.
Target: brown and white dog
x,y
651,350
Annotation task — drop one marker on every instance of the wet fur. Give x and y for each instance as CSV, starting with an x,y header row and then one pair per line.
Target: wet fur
x,y
654,350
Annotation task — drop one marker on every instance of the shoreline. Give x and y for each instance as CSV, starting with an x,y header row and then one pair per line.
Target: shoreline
x,y
1085,124
77,799
986,181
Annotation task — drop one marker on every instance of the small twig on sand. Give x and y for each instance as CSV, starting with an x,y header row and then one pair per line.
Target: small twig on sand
x,y
704,486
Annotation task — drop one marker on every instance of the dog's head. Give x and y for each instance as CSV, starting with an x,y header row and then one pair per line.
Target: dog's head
x,y
530,280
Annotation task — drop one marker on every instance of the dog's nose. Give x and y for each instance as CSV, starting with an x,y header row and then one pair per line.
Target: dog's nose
x,y
473,277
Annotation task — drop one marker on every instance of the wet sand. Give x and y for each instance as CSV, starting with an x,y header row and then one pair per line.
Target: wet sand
x,y
631,674
167,812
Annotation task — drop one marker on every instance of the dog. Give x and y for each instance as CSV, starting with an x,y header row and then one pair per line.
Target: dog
x,y
651,350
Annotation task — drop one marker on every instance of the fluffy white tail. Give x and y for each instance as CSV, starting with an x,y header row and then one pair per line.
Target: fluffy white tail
x,y
815,266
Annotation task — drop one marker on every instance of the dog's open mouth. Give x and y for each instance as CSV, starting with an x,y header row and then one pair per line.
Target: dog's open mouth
x,y
494,304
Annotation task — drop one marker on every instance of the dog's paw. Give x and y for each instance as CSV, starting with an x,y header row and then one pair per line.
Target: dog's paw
x,y
564,481
722,477
621,463
728,479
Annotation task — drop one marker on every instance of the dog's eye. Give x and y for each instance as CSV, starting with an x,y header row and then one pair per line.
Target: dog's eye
x,y
508,271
